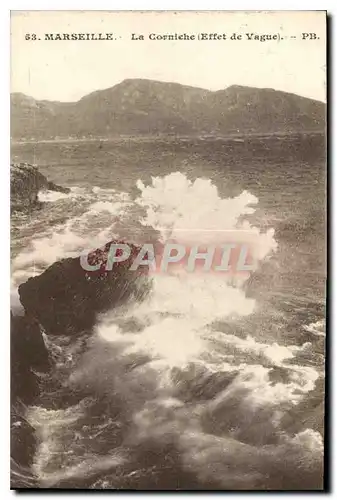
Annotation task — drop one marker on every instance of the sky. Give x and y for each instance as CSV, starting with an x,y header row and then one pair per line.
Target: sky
x,y
68,70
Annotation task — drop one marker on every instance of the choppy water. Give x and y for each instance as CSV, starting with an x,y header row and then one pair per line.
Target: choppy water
x,y
208,383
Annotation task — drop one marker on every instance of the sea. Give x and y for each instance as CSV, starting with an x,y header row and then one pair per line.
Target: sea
x,y
206,384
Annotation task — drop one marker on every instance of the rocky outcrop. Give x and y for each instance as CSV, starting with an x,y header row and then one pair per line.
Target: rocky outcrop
x,y
23,440
26,182
66,298
28,356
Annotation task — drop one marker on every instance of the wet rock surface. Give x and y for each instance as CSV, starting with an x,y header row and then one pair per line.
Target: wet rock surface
x,y
23,440
26,182
29,356
66,298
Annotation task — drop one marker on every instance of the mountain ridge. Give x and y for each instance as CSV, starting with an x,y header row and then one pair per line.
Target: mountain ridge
x,y
150,107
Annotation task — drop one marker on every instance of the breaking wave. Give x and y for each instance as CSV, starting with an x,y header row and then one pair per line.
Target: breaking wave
x,y
180,388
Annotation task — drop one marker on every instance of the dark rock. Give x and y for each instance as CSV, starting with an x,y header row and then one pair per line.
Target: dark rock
x,y
28,355
26,182
22,477
66,298
22,451
51,186
23,440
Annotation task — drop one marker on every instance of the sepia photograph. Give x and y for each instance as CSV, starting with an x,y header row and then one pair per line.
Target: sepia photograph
x,y
168,253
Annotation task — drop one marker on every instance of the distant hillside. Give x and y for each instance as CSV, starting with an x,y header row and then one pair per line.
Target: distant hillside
x,y
144,107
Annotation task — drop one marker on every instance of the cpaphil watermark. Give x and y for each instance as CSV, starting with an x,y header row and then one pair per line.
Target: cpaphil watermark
x,y
231,252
